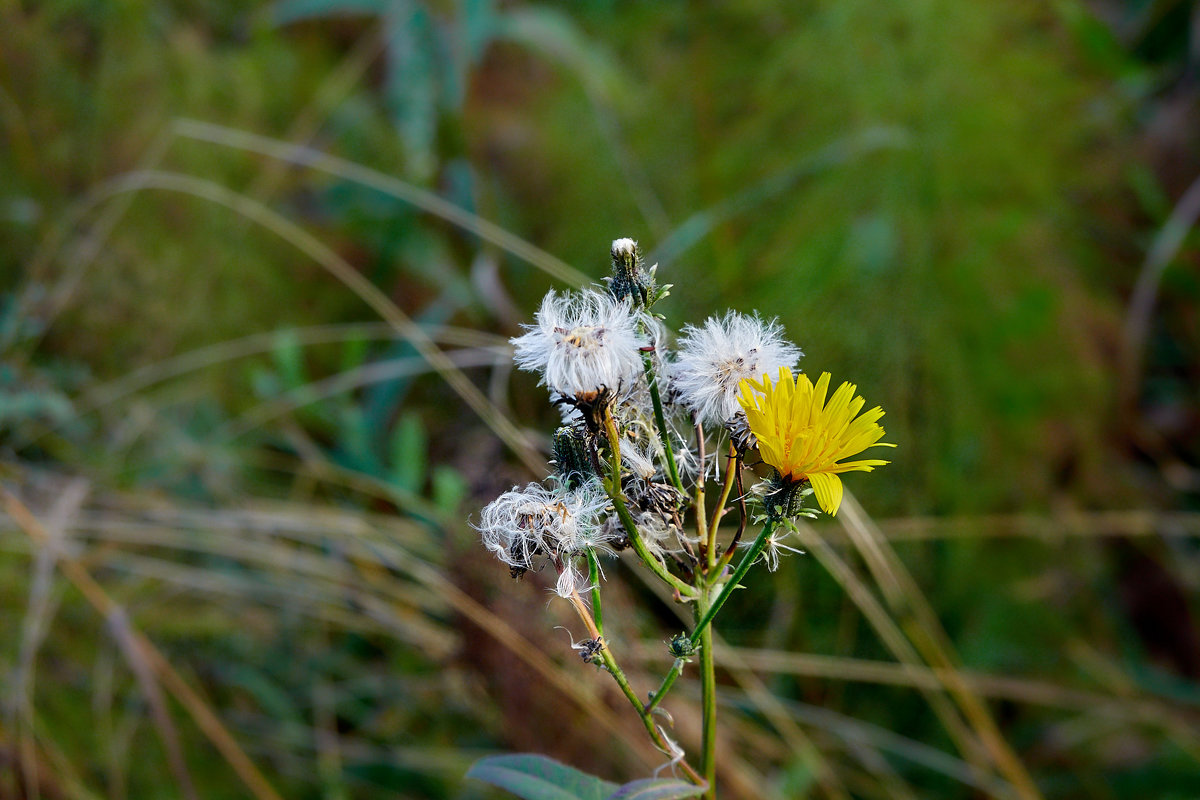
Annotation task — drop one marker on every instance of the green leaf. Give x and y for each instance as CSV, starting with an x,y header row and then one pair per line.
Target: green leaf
x,y
656,789
554,34
409,453
288,355
535,777
289,11
449,488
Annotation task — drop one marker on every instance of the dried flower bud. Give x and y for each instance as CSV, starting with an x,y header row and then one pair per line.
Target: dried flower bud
x,y
572,456
631,279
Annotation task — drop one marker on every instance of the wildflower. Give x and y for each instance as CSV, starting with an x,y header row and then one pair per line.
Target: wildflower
x,y
584,345
804,438
714,359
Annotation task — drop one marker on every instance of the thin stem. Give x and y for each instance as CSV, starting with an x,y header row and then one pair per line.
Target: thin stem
x,y
667,682
743,516
582,609
731,464
703,621
708,688
594,580
701,527
613,486
661,420
610,664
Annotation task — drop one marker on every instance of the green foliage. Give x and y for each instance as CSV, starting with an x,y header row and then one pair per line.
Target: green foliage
x,y
534,777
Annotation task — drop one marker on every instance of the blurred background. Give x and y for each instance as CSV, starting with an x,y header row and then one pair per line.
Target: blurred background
x,y
259,268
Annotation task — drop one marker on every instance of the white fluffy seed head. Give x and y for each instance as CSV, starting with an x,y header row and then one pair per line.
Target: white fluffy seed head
x,y
522,524
713,359
582,343
624,247
578,517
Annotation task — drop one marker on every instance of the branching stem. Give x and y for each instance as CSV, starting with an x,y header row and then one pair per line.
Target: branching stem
x,y
743,567
661,420
732,464
613,486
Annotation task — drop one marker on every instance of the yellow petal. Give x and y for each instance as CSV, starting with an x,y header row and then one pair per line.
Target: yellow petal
x,y
828,489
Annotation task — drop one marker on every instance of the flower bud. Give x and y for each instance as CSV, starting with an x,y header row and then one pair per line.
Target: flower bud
x,y
572,456
630,278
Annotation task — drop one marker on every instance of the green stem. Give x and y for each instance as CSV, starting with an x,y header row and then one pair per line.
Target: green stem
x,y
709,559
610,664
731,465
667,682
613,486
708,688
661,420
702,623
594,580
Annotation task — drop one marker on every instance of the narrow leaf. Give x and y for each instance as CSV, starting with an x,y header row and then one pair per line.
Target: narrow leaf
x,y
656,789
535,777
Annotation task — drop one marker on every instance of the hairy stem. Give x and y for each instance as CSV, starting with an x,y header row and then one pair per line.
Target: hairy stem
x,y
585,615
743,516
610,664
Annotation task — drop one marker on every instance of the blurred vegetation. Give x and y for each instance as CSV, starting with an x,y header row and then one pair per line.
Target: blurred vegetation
x,y
250,453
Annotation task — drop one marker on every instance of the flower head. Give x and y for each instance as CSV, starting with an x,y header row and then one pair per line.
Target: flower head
x,y
523,524
582,344
714,359
805,438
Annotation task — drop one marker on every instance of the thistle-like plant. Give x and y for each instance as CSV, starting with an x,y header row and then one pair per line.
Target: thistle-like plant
x,y
639,455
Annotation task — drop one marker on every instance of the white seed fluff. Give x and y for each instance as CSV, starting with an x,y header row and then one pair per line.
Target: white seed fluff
x,y
714,359
522,524
624,247
582,343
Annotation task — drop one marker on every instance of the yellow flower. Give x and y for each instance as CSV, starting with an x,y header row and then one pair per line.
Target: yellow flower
x,y
804,437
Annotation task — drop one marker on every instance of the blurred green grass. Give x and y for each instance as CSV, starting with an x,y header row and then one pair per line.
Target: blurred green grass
x,y
935,200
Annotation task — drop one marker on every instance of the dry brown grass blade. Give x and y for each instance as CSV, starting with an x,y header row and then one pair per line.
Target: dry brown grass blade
x,y
391,186
99,599
97,397
893,638
347,381
925,630
348,276
1051,528
795,737
1148,711
375,542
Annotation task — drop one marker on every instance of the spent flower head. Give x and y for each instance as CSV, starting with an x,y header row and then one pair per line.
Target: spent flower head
x,y
522,525
714,358
584,345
